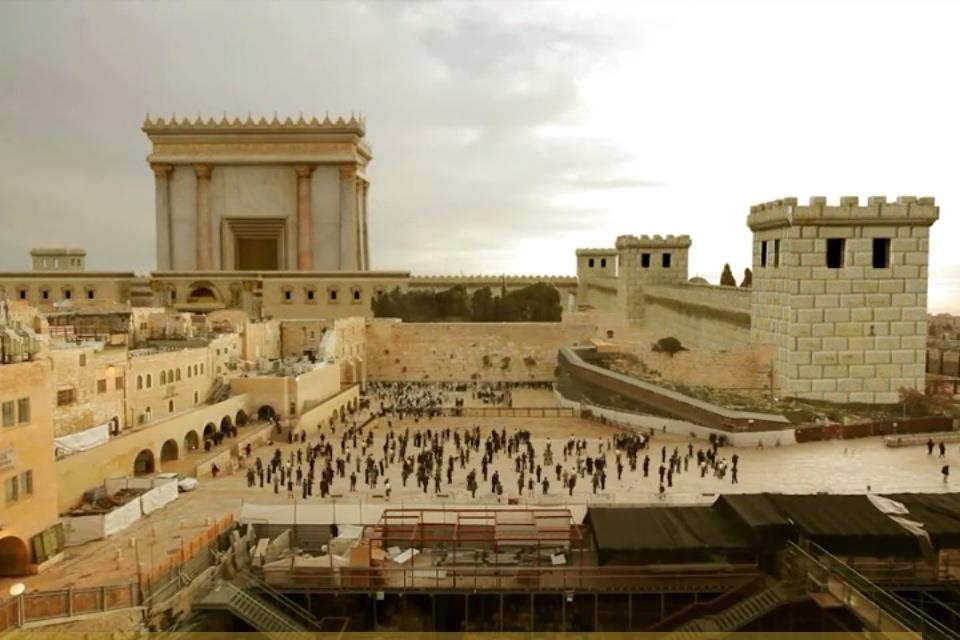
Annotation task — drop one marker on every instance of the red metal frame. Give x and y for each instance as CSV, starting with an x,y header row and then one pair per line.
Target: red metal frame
x,y
425,528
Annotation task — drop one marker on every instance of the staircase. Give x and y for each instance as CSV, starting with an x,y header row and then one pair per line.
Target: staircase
x,y
743,612
219,393
260,615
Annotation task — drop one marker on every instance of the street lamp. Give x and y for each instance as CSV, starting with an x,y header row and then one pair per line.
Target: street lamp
x,y
17,589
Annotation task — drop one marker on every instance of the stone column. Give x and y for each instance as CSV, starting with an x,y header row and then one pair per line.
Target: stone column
x,y
161,173
304,219
348,222
204,238
366,243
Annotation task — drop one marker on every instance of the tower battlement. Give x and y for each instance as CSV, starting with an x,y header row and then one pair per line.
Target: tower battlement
x,y
653,242
909,210
598,253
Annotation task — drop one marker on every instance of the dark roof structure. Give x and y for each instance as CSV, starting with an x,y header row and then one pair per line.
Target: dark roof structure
x,y
662,533
939,513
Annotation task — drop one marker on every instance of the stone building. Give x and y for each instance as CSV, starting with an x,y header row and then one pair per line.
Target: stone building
x,y
259,195
28,506
58,259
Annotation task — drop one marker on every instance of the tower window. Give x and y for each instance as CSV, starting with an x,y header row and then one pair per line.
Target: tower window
x,y
776,252
881,253
310,294
603,262
590,263
763,253
645,260
23,294
835,252
333,295
666,261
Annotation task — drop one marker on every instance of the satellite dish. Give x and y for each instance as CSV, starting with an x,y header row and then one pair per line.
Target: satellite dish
x,y
17,589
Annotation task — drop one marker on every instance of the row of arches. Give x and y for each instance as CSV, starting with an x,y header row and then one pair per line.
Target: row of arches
x,y
145,462
170,376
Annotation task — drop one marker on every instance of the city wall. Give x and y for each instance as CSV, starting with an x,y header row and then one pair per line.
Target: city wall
x,y
522,351
700,316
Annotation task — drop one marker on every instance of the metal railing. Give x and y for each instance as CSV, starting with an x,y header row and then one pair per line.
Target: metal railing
x,y
504,578
40,606
874,605
280,601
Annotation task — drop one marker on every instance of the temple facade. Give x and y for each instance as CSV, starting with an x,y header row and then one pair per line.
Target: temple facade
x,y
260,195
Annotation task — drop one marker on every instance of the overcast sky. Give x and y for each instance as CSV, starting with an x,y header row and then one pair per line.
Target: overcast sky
x,y
505,135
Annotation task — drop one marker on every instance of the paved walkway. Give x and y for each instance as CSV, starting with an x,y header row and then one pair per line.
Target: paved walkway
x,y
837,467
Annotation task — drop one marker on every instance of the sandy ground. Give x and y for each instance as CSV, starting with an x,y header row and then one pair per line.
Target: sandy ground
x,y
836,467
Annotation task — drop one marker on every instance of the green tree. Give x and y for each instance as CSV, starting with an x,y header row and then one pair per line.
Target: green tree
x,y
482,308
726,278
747,279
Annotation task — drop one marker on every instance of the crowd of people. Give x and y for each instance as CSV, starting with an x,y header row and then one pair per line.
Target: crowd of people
x,y
440,459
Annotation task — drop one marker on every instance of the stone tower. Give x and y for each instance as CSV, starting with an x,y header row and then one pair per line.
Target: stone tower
x,y
597,271
648,261
841,291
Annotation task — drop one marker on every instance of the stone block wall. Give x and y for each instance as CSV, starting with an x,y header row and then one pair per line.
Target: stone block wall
x,y
634,276
855,333
455,351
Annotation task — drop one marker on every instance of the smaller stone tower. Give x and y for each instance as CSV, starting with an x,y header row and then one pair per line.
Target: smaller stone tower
x,y
841,291
58,259
648,261
597,272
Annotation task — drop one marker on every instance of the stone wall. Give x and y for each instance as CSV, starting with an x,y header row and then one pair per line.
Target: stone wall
x,y
97,378
455,351
702,317
741,366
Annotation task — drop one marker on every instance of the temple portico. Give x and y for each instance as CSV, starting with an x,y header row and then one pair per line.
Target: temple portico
x,y
259,195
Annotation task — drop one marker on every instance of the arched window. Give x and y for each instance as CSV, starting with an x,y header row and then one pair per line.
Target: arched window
x,y
170,376
149,381
163,377
170,406
178,375
189,372
139,383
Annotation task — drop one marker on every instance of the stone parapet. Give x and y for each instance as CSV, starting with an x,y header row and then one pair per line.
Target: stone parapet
x,y
653,242
599,253
354,124
909,210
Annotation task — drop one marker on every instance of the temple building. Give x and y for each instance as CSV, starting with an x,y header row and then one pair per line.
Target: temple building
x,y
259,195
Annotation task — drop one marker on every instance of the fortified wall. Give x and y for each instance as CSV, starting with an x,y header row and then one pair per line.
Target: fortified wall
x,y
839,291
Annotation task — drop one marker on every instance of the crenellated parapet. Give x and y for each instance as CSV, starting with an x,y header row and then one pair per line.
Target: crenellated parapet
x,y
653,242
354,124
597,253
877,210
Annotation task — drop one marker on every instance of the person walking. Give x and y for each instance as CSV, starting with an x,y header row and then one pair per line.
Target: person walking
x,y
929,446
943,449
946,472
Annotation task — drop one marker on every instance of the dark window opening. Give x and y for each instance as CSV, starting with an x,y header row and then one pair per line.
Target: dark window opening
x,y
763,253
67,294
333,294
590,263
666,261
645,260
309,295
603,262
23,294
89,294
835,253
356,294
776,253
286,295
881,253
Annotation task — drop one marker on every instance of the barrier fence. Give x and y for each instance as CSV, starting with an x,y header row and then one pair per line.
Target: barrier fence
x,y
162,578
